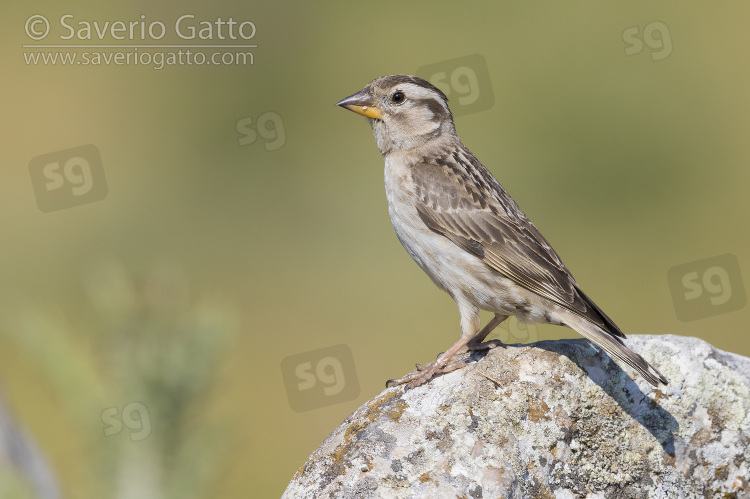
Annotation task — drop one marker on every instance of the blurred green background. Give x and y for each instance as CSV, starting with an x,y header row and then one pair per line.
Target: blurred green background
x,y
214,256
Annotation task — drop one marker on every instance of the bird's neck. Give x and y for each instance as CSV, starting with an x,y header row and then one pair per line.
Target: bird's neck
x,y
391,138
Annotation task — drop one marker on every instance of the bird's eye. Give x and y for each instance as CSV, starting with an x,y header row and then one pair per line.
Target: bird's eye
x,y
398,97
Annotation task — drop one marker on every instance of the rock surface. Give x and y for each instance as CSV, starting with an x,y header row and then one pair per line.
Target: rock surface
x,y
553,419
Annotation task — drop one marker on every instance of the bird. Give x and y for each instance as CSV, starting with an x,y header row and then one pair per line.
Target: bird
x,y
467,234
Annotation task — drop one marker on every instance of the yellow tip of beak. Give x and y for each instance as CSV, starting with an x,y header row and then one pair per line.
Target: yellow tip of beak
x,y
369,111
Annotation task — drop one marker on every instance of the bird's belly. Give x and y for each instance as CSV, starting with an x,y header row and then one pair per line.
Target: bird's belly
x,y
468,279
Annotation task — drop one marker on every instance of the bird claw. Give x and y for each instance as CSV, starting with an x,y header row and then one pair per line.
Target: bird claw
x,y
425,372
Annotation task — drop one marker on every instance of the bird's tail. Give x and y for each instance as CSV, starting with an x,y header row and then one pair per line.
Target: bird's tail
x,y
615,348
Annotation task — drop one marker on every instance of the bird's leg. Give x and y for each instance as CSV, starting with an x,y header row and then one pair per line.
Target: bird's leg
x,y
446,362
476,342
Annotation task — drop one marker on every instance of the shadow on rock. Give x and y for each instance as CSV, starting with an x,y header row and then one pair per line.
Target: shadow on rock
x,y
618,384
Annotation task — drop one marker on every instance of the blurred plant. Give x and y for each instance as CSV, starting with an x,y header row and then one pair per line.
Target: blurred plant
x,y
24,472
131,374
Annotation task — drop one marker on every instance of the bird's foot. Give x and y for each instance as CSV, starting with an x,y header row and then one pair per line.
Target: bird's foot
x,y
426,372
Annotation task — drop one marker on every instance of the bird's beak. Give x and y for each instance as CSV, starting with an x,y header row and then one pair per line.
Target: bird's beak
x,y
362,103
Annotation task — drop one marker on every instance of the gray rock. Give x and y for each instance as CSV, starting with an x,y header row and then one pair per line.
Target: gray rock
x,y
550,419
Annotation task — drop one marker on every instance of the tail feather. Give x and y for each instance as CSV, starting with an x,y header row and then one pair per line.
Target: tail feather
x,y
609,324
617,349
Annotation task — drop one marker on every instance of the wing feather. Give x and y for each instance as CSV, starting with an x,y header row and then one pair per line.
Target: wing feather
x,y
469,207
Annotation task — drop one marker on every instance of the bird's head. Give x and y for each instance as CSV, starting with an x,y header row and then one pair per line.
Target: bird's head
x,y
405,112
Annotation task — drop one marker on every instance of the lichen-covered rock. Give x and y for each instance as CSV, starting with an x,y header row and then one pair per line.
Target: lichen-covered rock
x,y
550,419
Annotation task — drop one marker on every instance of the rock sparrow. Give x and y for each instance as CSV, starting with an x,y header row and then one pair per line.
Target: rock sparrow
x,y
462,228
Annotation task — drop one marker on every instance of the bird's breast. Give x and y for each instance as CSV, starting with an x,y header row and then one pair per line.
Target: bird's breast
x,y
400,192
